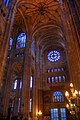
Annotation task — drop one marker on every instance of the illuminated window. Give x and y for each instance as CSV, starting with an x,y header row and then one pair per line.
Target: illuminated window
x,y
31,81
19,55
30,104
48,79
58,114
19,105
58,69
56,79
54,114
55,70
15,84
21,41
63,113
20,84
62,69
53,56
60,78
10,43
63,78
58,97
52,79
48,70
6,2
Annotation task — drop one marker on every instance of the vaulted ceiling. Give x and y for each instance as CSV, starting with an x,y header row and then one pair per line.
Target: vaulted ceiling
x,y
42,19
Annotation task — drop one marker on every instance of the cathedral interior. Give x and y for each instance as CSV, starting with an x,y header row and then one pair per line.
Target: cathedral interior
x,y
40,59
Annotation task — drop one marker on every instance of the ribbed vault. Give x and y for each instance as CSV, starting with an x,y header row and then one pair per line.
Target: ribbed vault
x,y
41,19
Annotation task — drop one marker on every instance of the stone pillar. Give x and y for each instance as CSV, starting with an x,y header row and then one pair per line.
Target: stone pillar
x,y
8,81
3,52
5,40
72,46
26,80
40,88
37,85
35,88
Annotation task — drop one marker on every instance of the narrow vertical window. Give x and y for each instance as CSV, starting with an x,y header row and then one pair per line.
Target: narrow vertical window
x,y
54,114
56,79
10,43
30,104
59,78
63,78
20,84
52,79
58,69
62,69
48,79
19,105
55,70
31,81
48,70
7,3
15,84
63,114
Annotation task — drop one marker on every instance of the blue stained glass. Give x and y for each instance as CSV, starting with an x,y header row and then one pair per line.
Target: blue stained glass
x,y
63,114
10,43
21,41
54,114
6,2
53,56
58,96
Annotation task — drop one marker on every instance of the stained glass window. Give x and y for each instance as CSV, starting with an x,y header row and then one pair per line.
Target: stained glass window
x,y
53,56
10,43
63,114
58,114
52,79
58,96
21,41
6,2
54,114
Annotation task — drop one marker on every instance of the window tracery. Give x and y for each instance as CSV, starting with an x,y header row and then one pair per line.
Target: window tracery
x,y
21,41
58,96
53,56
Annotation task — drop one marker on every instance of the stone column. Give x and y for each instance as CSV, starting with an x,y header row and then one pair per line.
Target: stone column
x,y
5,40
72,46
4,52
37,85
26,80
40,89
8,80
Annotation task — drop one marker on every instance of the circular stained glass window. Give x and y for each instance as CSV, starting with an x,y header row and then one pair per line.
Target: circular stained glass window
x,y
53,56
